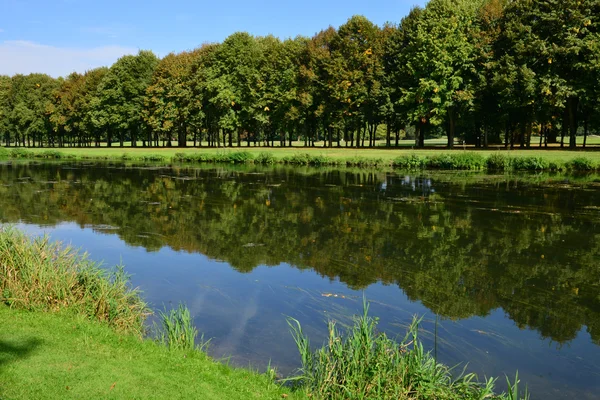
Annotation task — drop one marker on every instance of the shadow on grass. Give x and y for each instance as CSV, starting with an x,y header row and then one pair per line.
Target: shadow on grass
x,y
11,351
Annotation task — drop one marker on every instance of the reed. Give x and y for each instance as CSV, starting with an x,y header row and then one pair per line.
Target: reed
x,y
365,364
178,330
36,274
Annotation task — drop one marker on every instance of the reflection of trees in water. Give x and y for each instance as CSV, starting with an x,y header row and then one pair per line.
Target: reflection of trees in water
x,y
461,249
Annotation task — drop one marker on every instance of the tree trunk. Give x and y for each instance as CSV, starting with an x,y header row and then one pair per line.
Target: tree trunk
x,y
364,134
564,127
451,125
388,135
485,136
585,131
572,104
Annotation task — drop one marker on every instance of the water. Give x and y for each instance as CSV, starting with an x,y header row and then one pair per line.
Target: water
x,y
508,266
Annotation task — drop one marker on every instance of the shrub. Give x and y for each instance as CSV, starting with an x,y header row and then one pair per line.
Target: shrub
x,y
581,164
456,161
265,158
238,157
411,161
498,162
153,157
297,159
49,154
529,164
20,153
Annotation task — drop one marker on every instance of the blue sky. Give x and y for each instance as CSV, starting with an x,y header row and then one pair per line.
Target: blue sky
x,y
59,36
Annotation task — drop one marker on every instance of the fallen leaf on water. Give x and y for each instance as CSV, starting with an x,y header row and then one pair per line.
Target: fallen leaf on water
x,y
341,296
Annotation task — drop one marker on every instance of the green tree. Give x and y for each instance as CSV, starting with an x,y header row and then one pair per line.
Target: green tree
x,y
441,61
30,102
119,101
169,105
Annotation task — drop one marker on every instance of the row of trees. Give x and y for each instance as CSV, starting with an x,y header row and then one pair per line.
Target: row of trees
x,y
484,71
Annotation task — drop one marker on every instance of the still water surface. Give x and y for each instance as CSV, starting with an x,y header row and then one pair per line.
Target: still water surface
x,y
509,267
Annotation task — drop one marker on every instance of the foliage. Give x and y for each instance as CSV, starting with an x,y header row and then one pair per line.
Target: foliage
x,y
178,330
480,72
36,274
366,364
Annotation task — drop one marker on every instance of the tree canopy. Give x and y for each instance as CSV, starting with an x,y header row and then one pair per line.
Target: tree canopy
x,y
477,71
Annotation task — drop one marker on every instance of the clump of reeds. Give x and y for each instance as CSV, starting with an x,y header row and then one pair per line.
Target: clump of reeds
x,y
178,330
37,274
365,364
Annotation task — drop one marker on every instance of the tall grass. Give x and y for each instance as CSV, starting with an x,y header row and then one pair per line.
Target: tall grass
x,y
36,274
178,330
365,364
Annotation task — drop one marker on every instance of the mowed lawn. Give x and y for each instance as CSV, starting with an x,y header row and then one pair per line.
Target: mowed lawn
x,y
553,153
58,356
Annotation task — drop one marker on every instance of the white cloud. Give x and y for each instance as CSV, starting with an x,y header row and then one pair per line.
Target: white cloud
x,y
24,57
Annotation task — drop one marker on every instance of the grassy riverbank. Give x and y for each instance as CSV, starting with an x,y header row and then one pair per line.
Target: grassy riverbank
x,y
71,330
65,356
458,159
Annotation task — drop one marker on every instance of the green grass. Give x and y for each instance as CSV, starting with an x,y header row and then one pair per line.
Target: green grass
x,y
364,364
178,330
70,330
531,159
62,356
36,274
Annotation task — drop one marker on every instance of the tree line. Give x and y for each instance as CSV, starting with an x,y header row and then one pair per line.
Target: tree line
x,y
504,72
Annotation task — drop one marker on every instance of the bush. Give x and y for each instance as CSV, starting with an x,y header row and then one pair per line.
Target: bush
x,y
297,159
498,162
20,153
49,154
581,164
529,164
457,161
412,161
265,158
238,157
153,157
